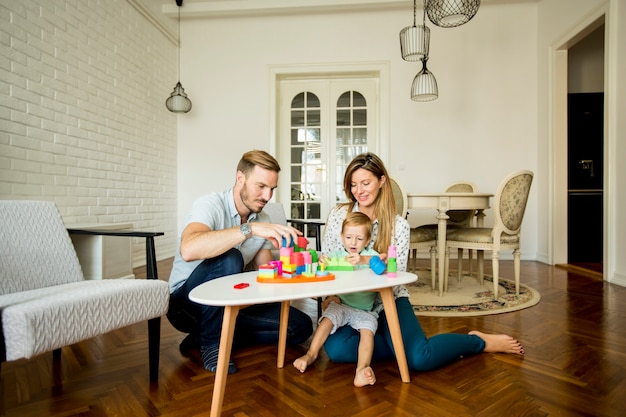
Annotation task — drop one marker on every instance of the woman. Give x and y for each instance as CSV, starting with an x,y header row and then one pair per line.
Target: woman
x,y
369,191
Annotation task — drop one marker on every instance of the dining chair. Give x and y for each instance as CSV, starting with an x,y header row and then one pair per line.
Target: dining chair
x,y
424,237
509,206
399,194
420,240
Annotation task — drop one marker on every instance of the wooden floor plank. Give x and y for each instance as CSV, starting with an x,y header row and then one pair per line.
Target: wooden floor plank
x,y
575,365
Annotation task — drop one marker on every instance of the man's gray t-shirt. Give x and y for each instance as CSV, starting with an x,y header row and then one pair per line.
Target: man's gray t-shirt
x,y
217,210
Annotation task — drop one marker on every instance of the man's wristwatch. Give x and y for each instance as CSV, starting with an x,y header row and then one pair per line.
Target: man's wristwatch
x,y
245,230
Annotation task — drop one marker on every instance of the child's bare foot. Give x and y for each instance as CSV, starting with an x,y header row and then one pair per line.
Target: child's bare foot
x,y
500,343
364,376
303,361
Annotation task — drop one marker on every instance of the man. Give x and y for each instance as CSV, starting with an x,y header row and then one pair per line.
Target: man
x,y
223,233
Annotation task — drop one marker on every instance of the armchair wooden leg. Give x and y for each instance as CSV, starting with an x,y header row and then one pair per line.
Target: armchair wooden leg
x,y
154,345
516,268
480,258
433,265
495,265
459,272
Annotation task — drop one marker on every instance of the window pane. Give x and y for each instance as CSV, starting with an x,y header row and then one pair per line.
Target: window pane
x,y
360,117
312,100
360,136
313,135
343,117
344,100
343,136
298,101
297,211
358,100
296,155
313,118
313,211
296,173
297,118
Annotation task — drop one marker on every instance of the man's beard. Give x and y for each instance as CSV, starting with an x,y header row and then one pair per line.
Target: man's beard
x,y
249,204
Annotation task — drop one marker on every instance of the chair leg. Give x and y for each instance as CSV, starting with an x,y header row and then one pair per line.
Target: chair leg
x,y
433,266
154,344
459,272
319,307
495,265
480,258
516,268
446,270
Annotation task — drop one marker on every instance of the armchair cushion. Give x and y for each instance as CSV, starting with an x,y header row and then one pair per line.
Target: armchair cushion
x,y
44,319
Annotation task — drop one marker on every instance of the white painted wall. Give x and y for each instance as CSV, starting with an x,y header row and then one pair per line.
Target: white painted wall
x,y
482,127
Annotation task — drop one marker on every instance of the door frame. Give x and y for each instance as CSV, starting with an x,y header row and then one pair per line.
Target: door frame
x,y
376,69
559,133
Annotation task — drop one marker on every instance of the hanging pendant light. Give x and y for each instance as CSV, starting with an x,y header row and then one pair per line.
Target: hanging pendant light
x,y
414,40
178,102
451,13
424,86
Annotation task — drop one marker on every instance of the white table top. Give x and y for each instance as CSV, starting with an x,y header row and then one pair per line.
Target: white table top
x,y
221,291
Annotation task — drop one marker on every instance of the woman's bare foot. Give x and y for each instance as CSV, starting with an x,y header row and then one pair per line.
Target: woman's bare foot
x,y
364,376
303,362
500,343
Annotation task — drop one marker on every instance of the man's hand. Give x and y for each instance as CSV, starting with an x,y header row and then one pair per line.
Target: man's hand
x,y
274,232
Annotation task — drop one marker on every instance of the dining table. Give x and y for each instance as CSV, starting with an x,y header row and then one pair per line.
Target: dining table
x,y
443,202
237,291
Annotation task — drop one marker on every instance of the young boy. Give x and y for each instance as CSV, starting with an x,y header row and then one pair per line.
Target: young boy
x,y
350,309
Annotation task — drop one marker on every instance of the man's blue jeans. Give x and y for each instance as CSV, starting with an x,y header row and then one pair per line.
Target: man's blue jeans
x,y
255,324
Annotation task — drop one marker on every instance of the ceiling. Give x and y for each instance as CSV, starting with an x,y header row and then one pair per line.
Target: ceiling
x,y
222,8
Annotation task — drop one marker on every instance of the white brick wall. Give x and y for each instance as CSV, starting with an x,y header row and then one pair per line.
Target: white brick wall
x,y
83,121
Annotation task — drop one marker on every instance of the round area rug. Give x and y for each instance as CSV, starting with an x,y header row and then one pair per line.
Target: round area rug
x,y
468,297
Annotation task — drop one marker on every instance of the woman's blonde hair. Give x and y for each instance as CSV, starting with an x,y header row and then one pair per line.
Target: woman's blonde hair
x,y
385,203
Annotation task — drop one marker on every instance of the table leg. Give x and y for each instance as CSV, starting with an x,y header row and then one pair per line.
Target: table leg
x,y
226,344
391,313
441,246
151,263
282,333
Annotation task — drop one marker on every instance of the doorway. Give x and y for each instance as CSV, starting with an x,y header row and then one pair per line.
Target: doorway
x,y
585,152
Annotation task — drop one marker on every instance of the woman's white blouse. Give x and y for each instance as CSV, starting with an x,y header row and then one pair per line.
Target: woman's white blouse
x,y
332,239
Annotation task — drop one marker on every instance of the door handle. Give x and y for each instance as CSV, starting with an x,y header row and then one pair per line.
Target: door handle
x,y
587,165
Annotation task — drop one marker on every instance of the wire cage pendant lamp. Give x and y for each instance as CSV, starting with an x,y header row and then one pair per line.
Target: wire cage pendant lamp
x,y
178,102
424,87
414,40
451,13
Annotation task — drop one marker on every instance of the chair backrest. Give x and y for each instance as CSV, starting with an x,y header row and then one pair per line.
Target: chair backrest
x,y
461,217
276,211
35,249
510,201
402,201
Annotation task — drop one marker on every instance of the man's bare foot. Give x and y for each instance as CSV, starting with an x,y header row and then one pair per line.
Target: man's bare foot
x,y
303,361
364,376
500,343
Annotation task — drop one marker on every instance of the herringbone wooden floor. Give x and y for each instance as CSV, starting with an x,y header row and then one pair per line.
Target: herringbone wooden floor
x,y
575,365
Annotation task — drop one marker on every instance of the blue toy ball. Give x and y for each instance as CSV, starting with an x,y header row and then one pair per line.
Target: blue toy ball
x,y
377,265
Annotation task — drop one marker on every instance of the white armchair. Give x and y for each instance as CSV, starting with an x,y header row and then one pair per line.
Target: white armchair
x,y
46,303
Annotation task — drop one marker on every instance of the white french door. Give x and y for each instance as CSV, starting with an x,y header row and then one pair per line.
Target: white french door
x,y
323,124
